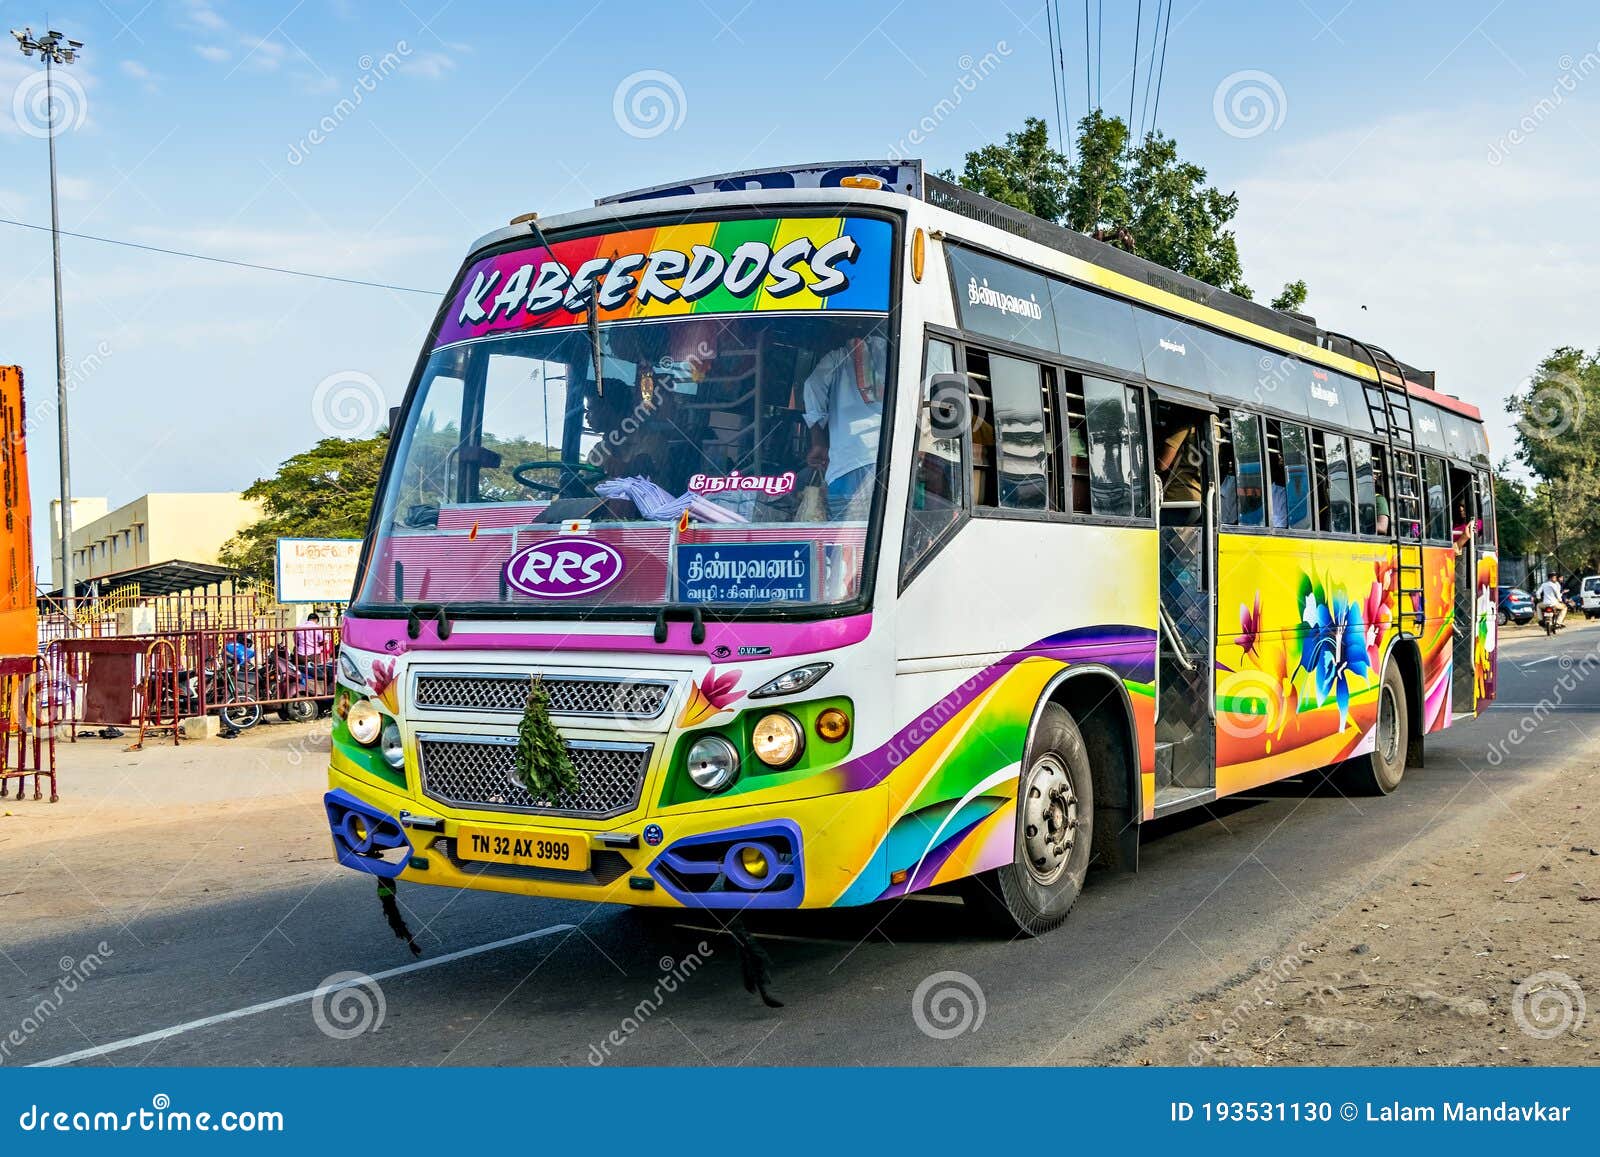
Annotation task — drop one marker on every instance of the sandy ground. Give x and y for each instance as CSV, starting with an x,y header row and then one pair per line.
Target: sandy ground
x,y
1481,953
139,832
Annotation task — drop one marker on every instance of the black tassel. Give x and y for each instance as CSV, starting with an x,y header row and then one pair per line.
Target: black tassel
x,y
754,963
391,913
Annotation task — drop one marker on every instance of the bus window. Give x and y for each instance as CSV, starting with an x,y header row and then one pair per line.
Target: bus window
x,y
1381,499
1016,392
1289,469
1111,458
938,489
1366,495
1138,454
1333,483
1076,450
1485,510
1438,499
1247,500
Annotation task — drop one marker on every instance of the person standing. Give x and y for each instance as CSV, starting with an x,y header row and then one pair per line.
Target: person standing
x,y
844,412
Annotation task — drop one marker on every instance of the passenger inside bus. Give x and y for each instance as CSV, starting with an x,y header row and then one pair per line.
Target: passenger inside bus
x,y
1179,460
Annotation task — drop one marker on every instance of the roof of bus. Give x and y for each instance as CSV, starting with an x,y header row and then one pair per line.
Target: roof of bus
x,y
1004,228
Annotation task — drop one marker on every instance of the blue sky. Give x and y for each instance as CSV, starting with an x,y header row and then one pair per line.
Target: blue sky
x,y
1385,175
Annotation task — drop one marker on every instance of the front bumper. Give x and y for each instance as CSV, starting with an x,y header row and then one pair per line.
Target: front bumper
x,y
684,860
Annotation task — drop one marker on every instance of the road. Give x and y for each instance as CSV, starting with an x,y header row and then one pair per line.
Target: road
x,y
1216,892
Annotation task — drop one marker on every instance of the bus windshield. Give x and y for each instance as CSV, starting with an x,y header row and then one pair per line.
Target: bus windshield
x,y
726,461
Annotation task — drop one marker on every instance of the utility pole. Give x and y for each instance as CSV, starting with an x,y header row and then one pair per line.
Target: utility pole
x,y
56,49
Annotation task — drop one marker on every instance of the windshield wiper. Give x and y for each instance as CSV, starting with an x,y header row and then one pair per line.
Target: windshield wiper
x,y
418,613
697,620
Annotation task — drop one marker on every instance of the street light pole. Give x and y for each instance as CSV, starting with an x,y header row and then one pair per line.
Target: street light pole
x,y
57,49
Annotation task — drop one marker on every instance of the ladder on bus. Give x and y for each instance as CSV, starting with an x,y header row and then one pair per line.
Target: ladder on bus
x,y
1389,405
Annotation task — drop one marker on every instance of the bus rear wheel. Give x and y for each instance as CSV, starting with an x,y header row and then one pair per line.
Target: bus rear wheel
x,y
1380,771
1055,830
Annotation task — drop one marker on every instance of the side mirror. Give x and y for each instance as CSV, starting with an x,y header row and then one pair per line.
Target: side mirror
x,y
394,419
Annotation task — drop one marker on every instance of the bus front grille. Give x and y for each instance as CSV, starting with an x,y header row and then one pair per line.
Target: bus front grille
x,y
481,772
569,694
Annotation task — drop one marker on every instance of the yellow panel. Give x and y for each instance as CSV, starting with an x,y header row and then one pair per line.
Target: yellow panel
x,y
820,230
683,238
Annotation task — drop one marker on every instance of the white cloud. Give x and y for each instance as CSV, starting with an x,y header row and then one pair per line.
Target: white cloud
x,y
74,188
215,53
1409,237
136,70
432,65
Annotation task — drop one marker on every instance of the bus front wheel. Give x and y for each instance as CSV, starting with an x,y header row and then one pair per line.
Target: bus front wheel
x,y
1055,830
1379,772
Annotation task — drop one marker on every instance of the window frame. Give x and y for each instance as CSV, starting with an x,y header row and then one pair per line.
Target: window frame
x,y
964,508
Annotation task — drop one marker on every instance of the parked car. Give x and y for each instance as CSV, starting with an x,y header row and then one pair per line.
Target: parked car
x,y
1589,593
1516,606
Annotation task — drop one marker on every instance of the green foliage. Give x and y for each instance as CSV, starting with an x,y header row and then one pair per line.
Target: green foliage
x,y
1292,296
1517,521
1140,196
323,492
1558,439
543,765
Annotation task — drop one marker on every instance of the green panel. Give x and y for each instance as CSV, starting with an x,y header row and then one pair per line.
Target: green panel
x,y
819,754
728,237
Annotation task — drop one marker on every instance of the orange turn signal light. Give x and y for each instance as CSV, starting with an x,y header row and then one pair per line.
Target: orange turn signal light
x,y
861,181
833,725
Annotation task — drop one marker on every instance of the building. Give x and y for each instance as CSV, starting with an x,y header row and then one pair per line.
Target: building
x,y
154,529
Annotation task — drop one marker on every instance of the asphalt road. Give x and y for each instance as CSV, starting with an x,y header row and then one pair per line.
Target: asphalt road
x,y
1215,893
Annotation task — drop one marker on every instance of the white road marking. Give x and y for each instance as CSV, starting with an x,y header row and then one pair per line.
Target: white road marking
x,y
1536,662
285,1001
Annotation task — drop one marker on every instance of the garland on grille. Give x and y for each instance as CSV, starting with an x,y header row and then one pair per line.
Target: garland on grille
x,y
543,765
391,913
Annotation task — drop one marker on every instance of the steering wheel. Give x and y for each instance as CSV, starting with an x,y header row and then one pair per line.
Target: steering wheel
x,y
582,469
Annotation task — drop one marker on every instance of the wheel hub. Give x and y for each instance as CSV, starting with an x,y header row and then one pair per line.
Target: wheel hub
x,y
1388,727
1049,819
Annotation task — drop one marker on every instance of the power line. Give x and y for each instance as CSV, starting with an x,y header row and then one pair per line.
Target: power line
x,y
1162,70
1055,80
1133,87
1088,73
1061,61
221,260
1099,53
1150,72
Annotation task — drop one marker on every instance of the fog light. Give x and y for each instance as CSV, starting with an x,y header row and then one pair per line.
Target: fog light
x,y
394,751
753,861
713,763
778,739
365,722
833,725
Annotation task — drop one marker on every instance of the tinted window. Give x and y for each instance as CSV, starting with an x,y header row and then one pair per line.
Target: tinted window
x,y
1095,328
1174,352
1485,509
1243,497
1427,427
1436,493
1366,510
1333,485
938,479
1011,447
1289,475
1457,438
1002,300
1111,448
1138,452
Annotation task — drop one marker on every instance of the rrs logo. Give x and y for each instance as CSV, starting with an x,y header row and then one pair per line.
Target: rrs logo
x,y
563,568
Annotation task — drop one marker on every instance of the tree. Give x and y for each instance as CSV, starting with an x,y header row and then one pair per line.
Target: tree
x,y
1142,197
1558,439
1516,522
1291,297
323,492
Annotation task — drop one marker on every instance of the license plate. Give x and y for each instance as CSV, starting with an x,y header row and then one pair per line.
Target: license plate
x,y
526,849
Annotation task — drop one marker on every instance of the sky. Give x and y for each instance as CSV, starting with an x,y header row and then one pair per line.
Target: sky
x,y
1429,170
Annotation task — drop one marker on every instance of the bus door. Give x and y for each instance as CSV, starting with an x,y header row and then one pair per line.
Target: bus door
x,y
1185,709
1464,618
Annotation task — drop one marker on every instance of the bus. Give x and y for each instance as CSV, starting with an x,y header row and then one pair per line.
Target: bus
x,y
868,537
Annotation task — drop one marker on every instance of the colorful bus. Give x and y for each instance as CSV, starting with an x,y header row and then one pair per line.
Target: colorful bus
x,y
866,537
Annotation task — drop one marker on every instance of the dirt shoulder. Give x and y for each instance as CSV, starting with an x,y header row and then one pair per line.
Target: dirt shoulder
x,y
142,832
1482,953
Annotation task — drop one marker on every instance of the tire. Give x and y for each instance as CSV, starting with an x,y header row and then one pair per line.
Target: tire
x,y
1055,834
1380,771
300,710
241,712
1504,618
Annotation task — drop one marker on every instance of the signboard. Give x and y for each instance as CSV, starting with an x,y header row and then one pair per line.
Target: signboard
x,y
896,176
746,572
19,607
317,570
790,264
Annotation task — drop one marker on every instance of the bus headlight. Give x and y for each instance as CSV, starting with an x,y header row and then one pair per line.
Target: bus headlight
x,y
713,763
365,722
778,739
394,750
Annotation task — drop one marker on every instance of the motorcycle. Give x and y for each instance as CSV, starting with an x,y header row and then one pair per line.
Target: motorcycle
x,y
1548,619
307,690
